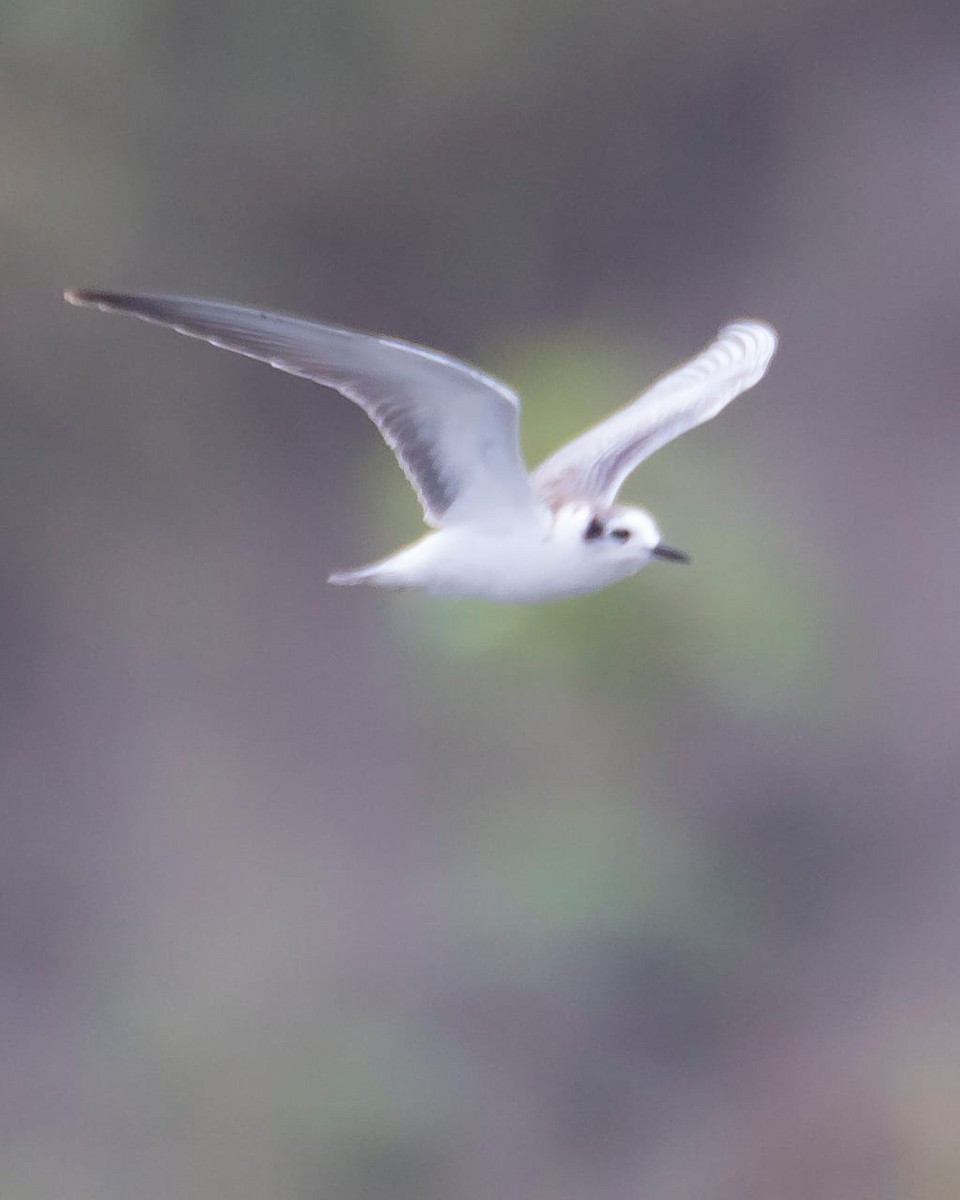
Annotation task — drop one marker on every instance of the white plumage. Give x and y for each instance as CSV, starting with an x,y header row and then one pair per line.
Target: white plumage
x,y
501,534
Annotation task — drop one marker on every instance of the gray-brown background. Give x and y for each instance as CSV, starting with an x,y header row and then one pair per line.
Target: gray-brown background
x,y
318,893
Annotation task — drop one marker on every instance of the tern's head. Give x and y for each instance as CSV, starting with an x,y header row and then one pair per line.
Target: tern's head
x,y
626,535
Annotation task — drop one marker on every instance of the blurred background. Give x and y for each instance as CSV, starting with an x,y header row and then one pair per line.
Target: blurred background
x,y
310,892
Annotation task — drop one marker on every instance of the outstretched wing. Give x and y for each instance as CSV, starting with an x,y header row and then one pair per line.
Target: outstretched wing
x,y
593,466
452,428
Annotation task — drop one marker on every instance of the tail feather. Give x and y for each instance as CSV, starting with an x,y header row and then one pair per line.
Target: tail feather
x,y
351,578
397,571
374,575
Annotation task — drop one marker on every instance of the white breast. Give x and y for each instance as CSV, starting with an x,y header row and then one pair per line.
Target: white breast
x,y
526,567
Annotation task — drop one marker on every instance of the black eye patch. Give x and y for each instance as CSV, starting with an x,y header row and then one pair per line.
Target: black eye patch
x,y
622,535
593,531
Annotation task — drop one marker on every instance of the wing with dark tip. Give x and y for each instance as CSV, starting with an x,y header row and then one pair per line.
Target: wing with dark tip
x,y
594,465
453,429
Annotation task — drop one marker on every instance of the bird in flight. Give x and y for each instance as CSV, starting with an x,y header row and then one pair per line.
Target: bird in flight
x,y
500,532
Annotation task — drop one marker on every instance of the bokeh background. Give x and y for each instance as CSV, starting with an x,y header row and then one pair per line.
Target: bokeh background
x,y
321,893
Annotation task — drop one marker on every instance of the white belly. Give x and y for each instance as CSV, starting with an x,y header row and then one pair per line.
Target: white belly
x,y
523,567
